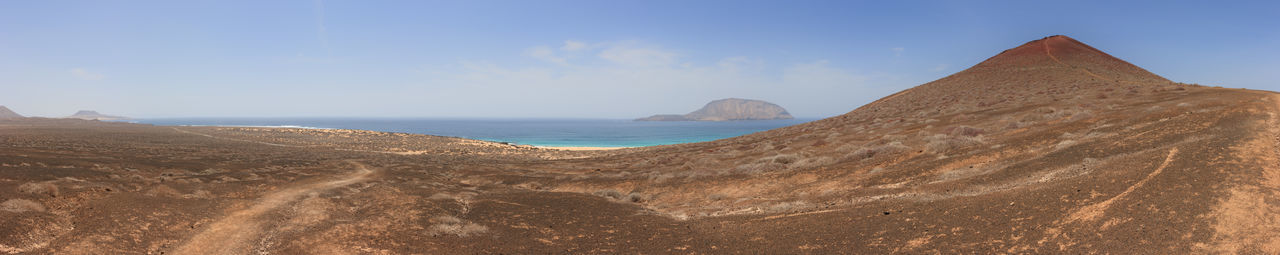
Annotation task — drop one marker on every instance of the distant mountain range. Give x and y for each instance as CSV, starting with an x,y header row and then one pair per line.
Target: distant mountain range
x,y
729,109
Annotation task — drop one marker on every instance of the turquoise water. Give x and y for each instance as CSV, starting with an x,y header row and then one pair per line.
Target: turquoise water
x,y
539,132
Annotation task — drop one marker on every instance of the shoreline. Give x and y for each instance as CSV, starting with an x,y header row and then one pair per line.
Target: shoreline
x,y
580,148
566,148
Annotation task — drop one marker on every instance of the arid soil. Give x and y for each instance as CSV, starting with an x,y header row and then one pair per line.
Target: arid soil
x,y
1049,147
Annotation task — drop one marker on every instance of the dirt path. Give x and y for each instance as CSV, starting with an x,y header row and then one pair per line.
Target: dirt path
x,y
235,233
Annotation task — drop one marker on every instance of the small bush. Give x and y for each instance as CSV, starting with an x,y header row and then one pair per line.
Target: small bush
x,y
943,144
964,131
608,193
786,207
449,225
781,159
21,205
758,168
1064,144
635,197
1084,115
39,188
891,148
442,196
812,162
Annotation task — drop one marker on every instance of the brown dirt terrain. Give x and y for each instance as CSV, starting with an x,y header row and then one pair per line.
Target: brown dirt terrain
x,y
1049,147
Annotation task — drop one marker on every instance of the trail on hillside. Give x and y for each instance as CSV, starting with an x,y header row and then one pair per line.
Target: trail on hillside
x,y
235,233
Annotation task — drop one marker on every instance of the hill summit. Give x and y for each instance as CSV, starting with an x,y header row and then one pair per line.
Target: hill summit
x,y
729,109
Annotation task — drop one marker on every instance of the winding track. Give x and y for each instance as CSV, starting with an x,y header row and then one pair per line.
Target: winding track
x,y
235,233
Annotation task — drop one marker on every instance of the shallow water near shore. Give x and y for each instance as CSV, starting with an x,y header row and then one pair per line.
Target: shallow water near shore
x,y
537,132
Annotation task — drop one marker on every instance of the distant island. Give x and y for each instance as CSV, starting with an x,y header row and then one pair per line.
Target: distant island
x,y
94,115
729,109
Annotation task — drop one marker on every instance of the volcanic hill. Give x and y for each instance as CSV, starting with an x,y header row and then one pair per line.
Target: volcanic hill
x,y
1050,147
729,109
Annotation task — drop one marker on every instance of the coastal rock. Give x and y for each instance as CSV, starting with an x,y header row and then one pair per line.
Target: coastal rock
x,y
727,110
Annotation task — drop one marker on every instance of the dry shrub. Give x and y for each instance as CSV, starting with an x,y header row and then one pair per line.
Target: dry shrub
x,y
608,193
964,131
21,205
39,188
758,168
786,207
449,225
530,186
199,194
1017,125
1064,144
614,195
892,148
943,144
812,162
442,196
458,196
1082,115
780,159
763,147
636,197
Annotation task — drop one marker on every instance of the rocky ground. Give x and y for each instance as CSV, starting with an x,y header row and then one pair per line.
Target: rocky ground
x,y
1050,147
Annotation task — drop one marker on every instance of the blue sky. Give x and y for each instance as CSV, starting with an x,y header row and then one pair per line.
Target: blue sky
x,y
575,59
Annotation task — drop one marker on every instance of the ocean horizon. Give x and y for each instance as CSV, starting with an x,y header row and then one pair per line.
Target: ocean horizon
x,y
547,132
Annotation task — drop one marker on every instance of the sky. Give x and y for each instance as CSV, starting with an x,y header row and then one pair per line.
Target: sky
x,y
573,59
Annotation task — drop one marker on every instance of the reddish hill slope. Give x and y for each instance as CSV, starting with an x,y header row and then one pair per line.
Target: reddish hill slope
x,y
1052,146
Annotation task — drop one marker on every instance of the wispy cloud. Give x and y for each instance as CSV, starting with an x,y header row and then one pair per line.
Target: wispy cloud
x,y
637,54
322,33
545,53
939,68
628,77
86,74
571,45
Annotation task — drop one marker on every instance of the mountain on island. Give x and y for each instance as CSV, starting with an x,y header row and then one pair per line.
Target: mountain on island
x,y
94,115
729,109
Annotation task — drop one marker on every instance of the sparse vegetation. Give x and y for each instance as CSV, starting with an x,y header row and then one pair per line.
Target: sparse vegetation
x,y
21,205
891,148
944,144
39,188
965,131
609,193
449,225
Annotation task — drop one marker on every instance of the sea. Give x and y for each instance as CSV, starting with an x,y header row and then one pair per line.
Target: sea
x,y
536,132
